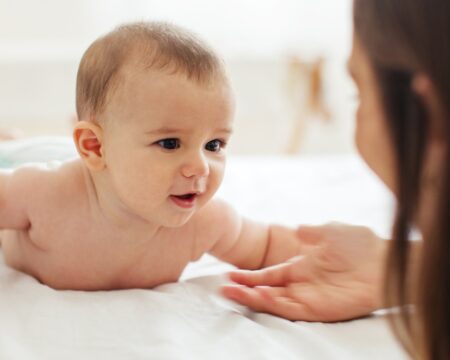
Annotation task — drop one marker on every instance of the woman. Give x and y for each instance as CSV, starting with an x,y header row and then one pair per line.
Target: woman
x,y
400,62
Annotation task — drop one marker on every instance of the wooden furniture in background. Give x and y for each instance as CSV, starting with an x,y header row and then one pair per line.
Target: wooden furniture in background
x,y
305,90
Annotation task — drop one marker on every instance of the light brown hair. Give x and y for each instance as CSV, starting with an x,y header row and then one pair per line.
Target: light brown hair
x,y
149,45
403,38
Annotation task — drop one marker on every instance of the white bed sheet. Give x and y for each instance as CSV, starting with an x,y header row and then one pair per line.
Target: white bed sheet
x,y
189,319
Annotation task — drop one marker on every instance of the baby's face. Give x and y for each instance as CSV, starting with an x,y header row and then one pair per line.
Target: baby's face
x,y
163,143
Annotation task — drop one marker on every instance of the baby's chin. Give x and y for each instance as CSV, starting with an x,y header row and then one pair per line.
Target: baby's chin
x,y
177,221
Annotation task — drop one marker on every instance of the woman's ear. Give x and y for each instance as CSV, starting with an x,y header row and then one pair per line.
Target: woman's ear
x,y
436,146
424,88
88,140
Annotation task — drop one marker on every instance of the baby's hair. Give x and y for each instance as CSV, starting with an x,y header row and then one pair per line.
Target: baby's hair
x,y
150,45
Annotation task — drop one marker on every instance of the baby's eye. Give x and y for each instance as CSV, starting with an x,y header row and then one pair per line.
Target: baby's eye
x,y
215,145
169,144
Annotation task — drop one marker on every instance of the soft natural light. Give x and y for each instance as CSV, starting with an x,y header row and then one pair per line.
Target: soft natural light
x,y
272,50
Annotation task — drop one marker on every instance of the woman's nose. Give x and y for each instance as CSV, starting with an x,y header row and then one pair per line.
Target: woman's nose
x,y
195,166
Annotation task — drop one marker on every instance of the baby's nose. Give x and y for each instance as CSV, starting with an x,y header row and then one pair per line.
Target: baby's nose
x,y
196,166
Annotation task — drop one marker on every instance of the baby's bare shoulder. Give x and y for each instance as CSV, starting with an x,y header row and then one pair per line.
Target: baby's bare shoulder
x,y
214,212
50,182
211,222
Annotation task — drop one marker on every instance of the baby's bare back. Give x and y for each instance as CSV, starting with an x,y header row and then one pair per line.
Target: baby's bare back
x,y
70,244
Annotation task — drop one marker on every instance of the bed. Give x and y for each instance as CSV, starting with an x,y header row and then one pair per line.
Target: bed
x,y
189,319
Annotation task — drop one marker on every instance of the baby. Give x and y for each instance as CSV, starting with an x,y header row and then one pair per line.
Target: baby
x,y
155,113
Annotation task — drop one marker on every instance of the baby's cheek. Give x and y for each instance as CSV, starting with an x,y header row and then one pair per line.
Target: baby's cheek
x,y
217,176
137,192
213,184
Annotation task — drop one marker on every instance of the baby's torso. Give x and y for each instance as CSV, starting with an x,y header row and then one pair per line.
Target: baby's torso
x,y
94,262
70,246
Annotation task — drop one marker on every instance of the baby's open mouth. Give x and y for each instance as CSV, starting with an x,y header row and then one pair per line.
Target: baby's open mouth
x,y
184,200
186,196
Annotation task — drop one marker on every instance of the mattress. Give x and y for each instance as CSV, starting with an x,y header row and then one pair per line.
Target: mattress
x,y
189,319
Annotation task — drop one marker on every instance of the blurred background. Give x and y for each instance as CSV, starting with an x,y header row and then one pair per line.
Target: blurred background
x,y
286,59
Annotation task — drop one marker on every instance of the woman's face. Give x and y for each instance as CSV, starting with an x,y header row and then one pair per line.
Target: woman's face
x,y
371,136
375,144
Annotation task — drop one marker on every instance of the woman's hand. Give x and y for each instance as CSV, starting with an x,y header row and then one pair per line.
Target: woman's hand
x,y
339,276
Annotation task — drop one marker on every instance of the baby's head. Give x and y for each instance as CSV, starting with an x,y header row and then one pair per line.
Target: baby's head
x,y
155,110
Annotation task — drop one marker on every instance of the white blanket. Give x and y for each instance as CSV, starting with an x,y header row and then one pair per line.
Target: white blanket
x,y
189,319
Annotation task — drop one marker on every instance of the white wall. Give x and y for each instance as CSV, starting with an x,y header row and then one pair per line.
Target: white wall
x,y
41,43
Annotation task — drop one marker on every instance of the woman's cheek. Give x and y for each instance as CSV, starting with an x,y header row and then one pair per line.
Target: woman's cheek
x,y
358,131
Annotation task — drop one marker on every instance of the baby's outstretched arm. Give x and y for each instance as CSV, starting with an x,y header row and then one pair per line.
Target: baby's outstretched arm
x,y
13,195
245,243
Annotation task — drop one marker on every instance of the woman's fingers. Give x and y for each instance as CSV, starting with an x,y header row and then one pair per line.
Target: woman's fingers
x,y
271,276
270,300
250,297
289,309
295,270
242,293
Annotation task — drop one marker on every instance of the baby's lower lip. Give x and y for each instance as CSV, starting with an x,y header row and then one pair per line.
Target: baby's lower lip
x,y
184,203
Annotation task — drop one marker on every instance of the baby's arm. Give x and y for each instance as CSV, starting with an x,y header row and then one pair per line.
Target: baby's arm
x,y
13,194
245,243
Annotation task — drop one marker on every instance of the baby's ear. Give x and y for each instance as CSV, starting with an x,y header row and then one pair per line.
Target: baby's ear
x,y
88,140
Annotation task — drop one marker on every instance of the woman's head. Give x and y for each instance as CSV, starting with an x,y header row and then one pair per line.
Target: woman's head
x,y
401,64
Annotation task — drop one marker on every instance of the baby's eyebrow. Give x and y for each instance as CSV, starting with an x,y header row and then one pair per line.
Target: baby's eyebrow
x,y
165,130
170,130
225,130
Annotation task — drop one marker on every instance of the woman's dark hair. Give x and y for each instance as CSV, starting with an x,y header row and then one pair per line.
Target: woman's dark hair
x,y
403,38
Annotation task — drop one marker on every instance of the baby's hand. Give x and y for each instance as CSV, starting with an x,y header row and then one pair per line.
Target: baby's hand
x,y
338,276
284,244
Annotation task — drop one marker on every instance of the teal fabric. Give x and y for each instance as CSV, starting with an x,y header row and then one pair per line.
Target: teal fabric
x,y
18,152
5,163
